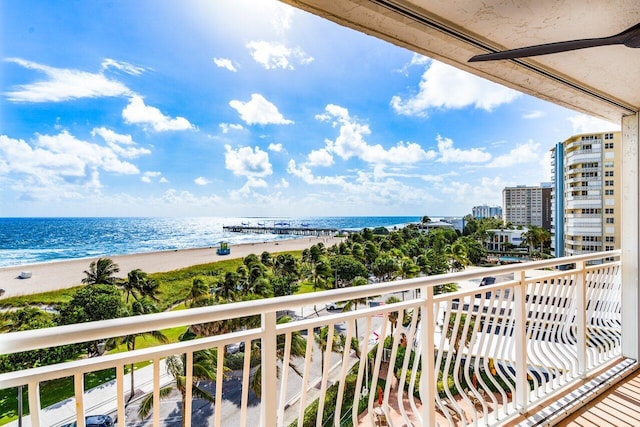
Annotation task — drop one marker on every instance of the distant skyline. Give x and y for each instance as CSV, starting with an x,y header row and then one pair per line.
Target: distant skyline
x,y
249,108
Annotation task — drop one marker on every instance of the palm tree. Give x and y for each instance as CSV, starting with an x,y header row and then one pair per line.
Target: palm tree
x,y
101,272
393,316
297,350
204,362
199,289
457,254
353,303
142,306
322,340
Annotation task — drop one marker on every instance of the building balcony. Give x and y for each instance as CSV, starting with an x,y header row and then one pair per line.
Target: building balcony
x,y
486,356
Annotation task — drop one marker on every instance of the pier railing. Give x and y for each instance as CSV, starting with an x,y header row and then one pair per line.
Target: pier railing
x,y
481,355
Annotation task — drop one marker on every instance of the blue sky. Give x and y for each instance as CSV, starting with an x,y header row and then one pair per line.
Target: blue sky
x,y
248,108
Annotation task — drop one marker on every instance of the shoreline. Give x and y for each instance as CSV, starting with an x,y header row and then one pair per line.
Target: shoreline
x,y
50,276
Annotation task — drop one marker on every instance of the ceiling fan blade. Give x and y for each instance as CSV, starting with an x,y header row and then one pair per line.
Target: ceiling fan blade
x,y
629,37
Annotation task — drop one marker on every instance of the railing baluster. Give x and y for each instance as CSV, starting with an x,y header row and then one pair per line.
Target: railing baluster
x,y
305,377
269,369
78,387
428,377
520,334
120,394
188,406
325,374
581,317
285,378
219,382
246,370
156,392
34,402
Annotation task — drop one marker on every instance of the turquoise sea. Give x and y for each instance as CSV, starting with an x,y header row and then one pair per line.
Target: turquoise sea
x,y
35,240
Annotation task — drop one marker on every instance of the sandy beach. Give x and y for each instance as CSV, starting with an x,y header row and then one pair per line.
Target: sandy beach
x,y
66,274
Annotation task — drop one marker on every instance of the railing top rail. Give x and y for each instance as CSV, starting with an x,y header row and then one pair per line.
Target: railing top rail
x,y
50,337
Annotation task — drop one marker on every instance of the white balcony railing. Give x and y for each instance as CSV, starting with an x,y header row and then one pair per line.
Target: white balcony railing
x,y
477,356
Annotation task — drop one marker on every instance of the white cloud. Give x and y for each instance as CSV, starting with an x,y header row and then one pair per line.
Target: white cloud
x,y
416,59
484,190
137,112
587,124
449,154
245,161
226,127
536,114
201,181
272,55
320,157
351,143
225,63
174,197
57,166
276,148
282,184
259,111
306,175
149,176
122,66
443,86
64,85
116,141
252,182
526,153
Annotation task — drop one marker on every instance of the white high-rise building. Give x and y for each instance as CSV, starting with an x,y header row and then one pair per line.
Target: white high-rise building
x,y
586,196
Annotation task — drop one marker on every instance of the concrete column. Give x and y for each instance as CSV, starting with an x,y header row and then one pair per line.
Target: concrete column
x,y
630,236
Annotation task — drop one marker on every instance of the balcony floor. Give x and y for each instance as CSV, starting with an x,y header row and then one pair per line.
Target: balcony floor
x,y
619,406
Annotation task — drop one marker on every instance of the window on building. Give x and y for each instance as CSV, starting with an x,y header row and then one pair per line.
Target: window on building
x,y
608,136
608,192
609,221
608,145
608,164
608,183
608,173
608,248
610,239
609,211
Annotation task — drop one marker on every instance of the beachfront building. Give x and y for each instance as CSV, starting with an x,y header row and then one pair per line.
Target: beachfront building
x,y
527,205
586,197
534,378
503,240
486,211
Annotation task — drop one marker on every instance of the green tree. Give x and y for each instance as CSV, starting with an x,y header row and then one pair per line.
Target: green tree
x,y
199,289
346,269
204,362
297,350
138,307
385,267
101,272
393,315
92,303
321,338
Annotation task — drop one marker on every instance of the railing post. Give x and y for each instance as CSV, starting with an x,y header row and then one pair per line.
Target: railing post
x,y
78,386
269,370
520,335
34,403
581,318
428,377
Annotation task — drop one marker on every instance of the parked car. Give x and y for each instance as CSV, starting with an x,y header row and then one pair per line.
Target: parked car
x,y
94,421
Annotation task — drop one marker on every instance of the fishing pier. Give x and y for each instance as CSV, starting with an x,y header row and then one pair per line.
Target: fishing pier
x,y
280,229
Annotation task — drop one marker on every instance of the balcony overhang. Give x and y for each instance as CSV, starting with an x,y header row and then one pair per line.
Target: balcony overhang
x,y
600,81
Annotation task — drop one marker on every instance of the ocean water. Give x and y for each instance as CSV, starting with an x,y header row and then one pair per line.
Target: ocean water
x,y
34,240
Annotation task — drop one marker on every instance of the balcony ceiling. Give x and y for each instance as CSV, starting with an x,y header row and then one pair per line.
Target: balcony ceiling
x,y
600,81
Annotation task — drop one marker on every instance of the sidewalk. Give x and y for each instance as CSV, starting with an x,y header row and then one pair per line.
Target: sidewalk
x,y
94,400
